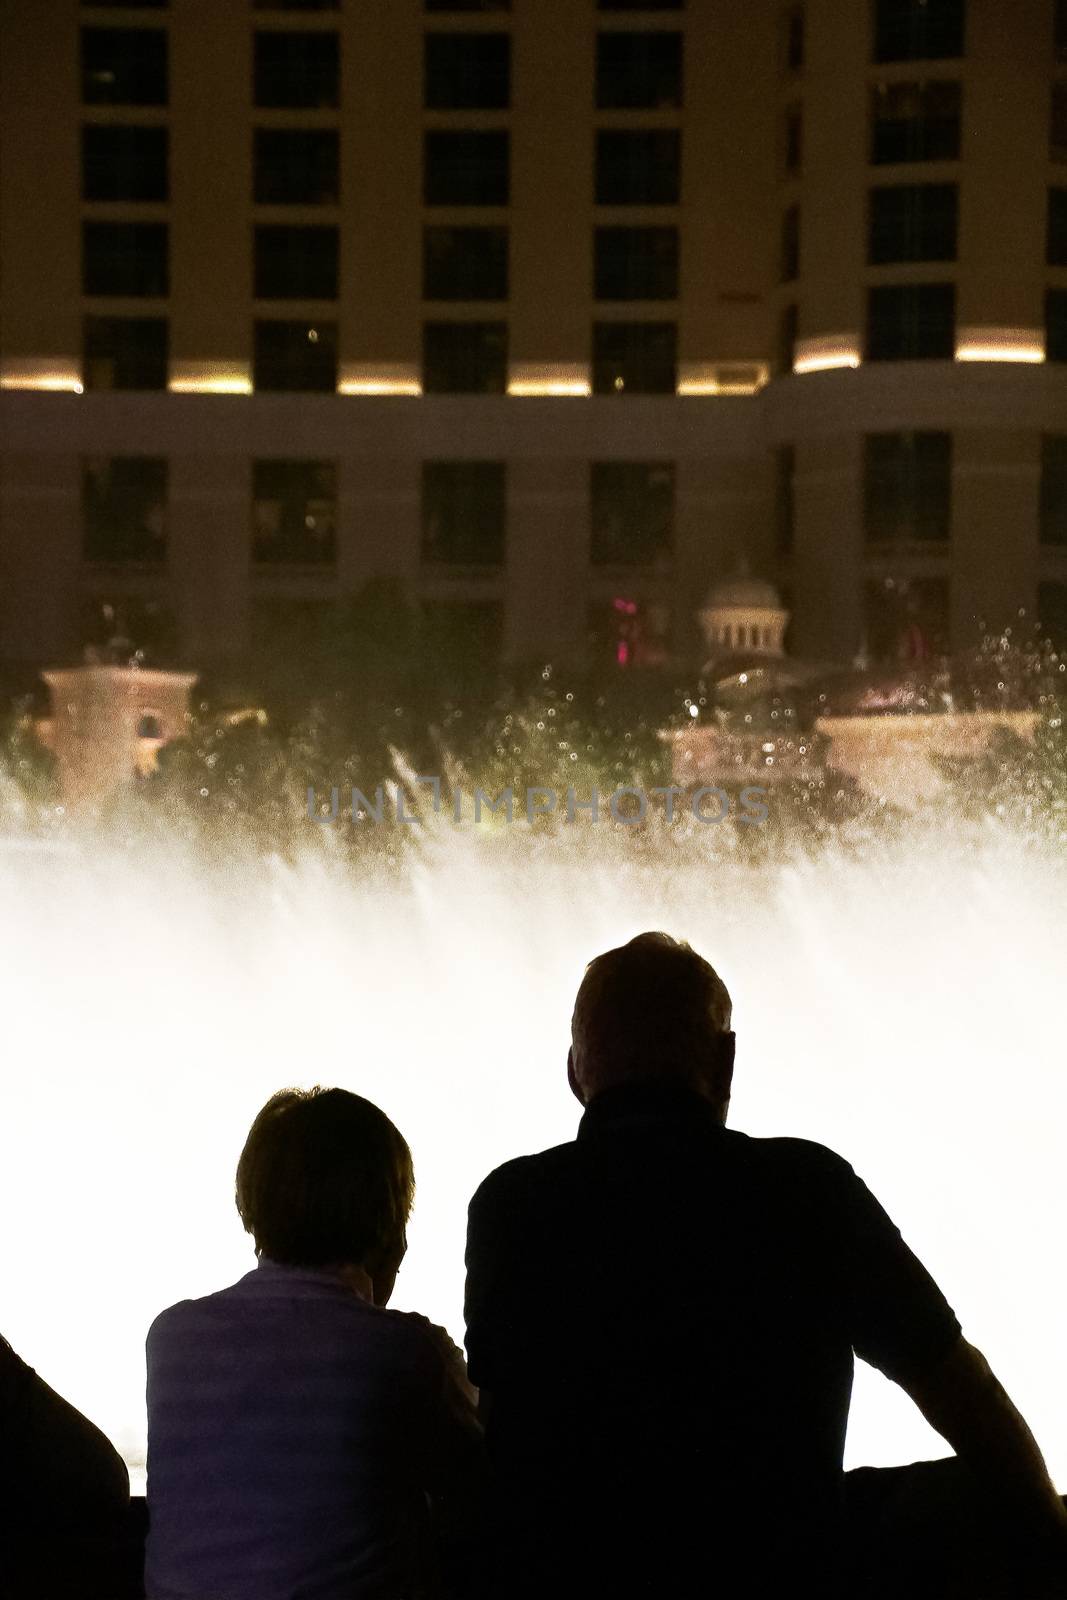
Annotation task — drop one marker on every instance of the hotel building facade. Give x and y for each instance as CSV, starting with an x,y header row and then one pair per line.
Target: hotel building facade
x,y
548,312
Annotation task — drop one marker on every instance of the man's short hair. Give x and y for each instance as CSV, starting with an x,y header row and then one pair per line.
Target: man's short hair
x,y
644,1010
324,1179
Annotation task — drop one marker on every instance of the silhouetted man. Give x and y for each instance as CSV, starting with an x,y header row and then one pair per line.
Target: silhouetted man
x,y
662,1318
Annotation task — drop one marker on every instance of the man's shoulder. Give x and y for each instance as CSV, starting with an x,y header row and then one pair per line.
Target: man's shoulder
x,y
523,1173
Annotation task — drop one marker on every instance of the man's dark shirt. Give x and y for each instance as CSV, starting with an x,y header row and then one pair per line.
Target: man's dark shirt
x,y
664,1315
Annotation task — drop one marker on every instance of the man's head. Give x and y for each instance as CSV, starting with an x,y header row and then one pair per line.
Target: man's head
x,y
652,1008
326,1180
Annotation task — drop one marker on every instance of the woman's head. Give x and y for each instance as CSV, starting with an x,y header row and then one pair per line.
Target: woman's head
x,y
326,1180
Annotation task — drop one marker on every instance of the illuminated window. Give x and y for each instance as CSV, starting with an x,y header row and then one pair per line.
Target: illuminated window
x,y
296,70
465,264
465,168
915,122
467,71
913,222
124,258
635,264
124,163
1056,240
911,322
294,512
790,245
635,357
918,30
296,167
785,466
464,357
1054,489
124,66
296,263
464,512
907,620
125,353
631,512
639,71
638,167
907,487
124,506
295,356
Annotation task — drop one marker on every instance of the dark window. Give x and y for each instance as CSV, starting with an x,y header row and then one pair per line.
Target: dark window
x,y
794,140
296,69
631,512
124,258
124,67
785,466
1054,489
295,356
296,263
638,71
124,163
125,509
907,619
794,38
1057,133
1059,27
636,264
915,122
465,357
1056,325
907,486
1056,243
788,329
294,512
295,5
463,638
296,166
465,264
468,5
918,30
125,353
465,168
790,244
467,71
464,512
915,222
911,321
638,167
635,357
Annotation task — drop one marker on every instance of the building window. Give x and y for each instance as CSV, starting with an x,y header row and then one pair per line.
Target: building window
x,y
465,357
1054,489
915,122
296,70
911,322
124,258
638,167
785,466
465,168
635,357
1056,325
631,512
636,264
125,353
1057,133
296,263
794,30
467,72
296,167
1059,27
907,487
788,330
295,356
467,5
918,30
124,66
124,163
915,222
907,619
465,264
124,503
639,71
294,512
793,156
464,512
1056,241
790,245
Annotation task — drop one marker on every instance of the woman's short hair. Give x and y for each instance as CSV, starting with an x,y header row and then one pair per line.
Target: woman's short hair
x,y
324,1179
644,1010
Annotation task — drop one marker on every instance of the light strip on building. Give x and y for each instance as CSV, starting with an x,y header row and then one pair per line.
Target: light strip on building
x,y
388,378
723,378
560,379
826,353
210,377
43,376
1000,344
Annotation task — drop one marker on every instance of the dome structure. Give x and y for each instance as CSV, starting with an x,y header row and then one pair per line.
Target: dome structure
x,y
744,615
